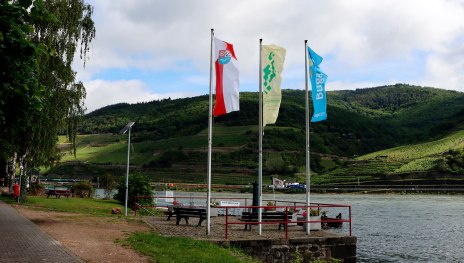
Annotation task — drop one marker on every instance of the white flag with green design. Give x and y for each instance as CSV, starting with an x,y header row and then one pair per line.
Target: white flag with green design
x,y
272,62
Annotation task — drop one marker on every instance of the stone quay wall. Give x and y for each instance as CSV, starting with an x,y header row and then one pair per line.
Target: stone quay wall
x,y
298,249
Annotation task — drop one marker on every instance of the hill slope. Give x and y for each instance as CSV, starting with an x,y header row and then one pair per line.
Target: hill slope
x,y
170,136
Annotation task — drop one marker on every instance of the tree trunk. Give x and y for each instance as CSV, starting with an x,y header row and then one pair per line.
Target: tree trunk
x,y
23,171
12,171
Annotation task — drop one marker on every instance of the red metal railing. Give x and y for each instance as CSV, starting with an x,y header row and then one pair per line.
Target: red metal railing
x,y
286,221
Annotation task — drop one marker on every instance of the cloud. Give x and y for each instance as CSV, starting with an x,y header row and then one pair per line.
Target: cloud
x,y
362,41
101,93
445,69
168,32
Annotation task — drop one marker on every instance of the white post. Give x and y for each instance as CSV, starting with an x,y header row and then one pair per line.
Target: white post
x,y
260,168
308,170
127,173
210,138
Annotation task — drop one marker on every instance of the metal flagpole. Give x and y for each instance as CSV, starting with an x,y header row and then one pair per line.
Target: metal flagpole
x,y
260,169
308,170
210,137
126,128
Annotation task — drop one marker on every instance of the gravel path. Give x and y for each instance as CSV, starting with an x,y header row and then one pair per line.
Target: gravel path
x,y
235,232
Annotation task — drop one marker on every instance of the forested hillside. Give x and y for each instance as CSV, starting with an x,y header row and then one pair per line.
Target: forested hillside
x,y
170,135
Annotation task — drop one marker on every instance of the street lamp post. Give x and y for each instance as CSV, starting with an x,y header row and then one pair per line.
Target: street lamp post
x,y
128,127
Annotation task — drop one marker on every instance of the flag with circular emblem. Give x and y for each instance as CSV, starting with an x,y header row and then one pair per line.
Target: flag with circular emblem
x,y
227,78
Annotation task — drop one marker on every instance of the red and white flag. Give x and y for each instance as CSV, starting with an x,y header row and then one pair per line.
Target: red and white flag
x,y
227,80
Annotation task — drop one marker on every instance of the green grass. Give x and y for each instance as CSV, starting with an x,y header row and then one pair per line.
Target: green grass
x,y
177,249
108,148
421,157
418,165
410,152
85,206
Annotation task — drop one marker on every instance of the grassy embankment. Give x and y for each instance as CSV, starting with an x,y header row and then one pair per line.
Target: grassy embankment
x,y
399,163
159,249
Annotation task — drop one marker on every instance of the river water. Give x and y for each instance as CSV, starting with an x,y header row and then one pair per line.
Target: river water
x,y
414,228
394,228
398,228
405,228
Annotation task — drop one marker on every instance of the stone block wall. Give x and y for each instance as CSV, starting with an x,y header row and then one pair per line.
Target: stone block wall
x,y
298,249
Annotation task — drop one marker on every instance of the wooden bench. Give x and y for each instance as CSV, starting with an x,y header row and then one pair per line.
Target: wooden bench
x,y
170,212
58,193
187,212
273,216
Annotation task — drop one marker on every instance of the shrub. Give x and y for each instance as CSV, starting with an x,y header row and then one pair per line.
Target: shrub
x,y
139,185
83,189
37,189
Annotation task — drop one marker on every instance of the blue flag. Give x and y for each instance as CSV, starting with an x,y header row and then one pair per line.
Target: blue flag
x,y
314,58
318,80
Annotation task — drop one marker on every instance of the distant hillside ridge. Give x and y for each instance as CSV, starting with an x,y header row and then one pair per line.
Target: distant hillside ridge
x,y
359,121
169,139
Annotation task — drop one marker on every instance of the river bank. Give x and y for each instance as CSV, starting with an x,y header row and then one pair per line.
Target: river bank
x,y
386,189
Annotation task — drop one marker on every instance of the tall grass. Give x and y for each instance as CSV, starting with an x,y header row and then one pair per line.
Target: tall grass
x,y
178,249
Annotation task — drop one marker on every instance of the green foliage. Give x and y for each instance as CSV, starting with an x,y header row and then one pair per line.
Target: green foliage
x,y
418,165
21,90
83,189
37,189
39,96
166,159
313,212
359,122
181,249
453,162
108,182
408,152
139,185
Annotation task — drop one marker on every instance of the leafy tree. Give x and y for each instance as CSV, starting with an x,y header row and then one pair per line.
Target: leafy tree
x,y
83,189
139,185
453,162
20,90
39,96
109,183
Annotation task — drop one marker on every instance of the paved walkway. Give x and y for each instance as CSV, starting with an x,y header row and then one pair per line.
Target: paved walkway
x,y
22,241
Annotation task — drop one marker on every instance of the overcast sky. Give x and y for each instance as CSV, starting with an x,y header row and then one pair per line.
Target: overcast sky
x,y
149,49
